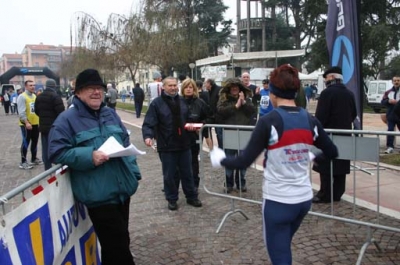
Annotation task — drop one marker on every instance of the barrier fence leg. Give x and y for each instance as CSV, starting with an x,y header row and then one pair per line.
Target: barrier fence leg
x,y
231,212
370,240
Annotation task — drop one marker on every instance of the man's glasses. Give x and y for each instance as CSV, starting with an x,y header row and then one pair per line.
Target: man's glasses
x,y
91,89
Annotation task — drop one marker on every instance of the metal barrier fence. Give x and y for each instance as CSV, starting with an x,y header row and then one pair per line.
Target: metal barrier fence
x,y
21,190
358,146
47,226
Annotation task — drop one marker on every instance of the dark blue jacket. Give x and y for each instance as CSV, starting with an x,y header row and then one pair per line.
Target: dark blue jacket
x,y
390,94
199,112
75,134
159,124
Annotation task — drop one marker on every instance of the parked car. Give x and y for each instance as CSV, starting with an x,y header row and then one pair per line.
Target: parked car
x,y
376,89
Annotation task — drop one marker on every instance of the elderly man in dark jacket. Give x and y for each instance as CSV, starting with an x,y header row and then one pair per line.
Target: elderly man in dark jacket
x,y
103,184
336,109
235,107
48,106
166,118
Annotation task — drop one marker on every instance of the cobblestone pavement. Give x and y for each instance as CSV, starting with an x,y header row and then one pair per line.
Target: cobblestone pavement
x,y
187,236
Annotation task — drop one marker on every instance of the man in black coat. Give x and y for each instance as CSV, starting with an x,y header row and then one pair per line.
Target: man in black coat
x,y
48,106
138,96
213,90
336,109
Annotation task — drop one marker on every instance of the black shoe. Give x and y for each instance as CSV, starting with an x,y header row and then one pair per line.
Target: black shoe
x,y
243,189
194,202
173,206
229,190
319,200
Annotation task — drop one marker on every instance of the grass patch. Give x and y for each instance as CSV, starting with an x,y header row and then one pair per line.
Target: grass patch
x,y
390,159
130,106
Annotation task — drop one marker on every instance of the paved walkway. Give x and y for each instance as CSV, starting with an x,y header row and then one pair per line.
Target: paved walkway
x,y
188,236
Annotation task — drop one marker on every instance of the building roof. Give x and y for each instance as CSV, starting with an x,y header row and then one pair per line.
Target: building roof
x,y
41,47
249,56
12,56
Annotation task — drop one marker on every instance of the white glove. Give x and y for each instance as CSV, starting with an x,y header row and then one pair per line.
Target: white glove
x,y
216,156
314,152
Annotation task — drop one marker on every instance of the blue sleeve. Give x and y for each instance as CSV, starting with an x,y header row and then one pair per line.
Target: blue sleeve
x,y
150,121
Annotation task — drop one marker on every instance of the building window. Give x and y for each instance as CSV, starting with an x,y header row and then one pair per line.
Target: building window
x,y
54,58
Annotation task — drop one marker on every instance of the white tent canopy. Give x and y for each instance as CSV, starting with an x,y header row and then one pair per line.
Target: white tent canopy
x,y
260,73
313,76
249,56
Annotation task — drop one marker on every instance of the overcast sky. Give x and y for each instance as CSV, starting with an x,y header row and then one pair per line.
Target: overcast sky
x,y
48,21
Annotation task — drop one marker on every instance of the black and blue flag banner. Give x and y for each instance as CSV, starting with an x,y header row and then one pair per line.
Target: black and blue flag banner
x,y
342,39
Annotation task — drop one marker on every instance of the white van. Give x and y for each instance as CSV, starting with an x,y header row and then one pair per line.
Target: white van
x,y
376,89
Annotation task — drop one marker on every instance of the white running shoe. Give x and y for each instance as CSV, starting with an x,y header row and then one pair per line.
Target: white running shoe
x,y
25,166
389,150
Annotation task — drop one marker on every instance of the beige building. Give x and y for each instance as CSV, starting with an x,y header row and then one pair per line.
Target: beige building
x,y
35,55
8,61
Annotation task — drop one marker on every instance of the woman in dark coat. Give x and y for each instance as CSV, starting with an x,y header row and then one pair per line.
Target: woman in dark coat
x,y
199,112
235,107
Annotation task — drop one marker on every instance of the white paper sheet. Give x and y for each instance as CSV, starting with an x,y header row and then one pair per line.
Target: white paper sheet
x,y
114,149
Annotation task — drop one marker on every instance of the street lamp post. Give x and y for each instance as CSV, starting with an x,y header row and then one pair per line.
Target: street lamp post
x,y
192,66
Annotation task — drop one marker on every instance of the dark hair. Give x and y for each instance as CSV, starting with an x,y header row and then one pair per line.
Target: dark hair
x,y
285,77
265,81
181,77
211,81
199,84
137,85
28,81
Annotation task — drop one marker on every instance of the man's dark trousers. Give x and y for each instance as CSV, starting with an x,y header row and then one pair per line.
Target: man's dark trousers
x,y
45,145
171,163
110,223
138,108
339,187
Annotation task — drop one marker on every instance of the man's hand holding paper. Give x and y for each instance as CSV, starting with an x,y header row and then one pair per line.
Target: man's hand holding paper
x,y
113,148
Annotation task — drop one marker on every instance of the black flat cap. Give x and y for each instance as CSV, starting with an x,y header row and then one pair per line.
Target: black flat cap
x,y
333,70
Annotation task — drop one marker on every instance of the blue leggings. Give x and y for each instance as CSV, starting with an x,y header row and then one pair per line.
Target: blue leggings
x,y
280,223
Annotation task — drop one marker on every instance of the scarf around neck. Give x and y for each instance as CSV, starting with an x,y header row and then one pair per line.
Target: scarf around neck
x,y
174,105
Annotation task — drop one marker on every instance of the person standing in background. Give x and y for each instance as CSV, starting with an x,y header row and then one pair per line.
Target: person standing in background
x,y
265,100
205,96
112,95
155,87
308,91
13,99
29,124
138,95
166,119
235,107
7,100
255,90
199,111
336,109
48,106
389,99
213,91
